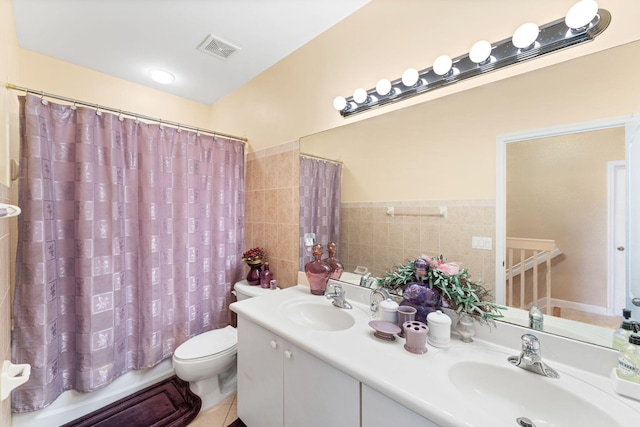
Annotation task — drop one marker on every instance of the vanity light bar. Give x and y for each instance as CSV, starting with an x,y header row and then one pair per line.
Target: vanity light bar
x,y
552,37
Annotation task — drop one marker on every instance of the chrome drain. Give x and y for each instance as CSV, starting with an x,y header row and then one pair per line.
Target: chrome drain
x,y
525,422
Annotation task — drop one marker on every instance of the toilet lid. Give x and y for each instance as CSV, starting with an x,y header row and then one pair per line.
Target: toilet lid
x,y
208,343
251,291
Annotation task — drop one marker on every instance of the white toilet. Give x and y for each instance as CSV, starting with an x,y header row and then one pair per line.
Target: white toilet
x,y
208,361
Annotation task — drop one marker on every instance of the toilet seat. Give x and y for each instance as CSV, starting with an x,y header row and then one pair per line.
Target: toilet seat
x,y
215,343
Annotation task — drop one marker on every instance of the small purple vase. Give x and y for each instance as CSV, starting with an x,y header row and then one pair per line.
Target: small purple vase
x,y
253,276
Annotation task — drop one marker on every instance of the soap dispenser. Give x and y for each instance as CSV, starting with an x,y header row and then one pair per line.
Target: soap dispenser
x,y
629,360
621,336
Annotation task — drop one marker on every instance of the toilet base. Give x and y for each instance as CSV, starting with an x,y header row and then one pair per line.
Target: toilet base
x,y
214,390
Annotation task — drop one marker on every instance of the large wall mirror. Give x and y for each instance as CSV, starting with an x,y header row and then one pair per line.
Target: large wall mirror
x,y
442,167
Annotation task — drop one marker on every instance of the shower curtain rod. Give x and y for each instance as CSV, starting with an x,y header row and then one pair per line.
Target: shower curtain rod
x,y
127,113
310,156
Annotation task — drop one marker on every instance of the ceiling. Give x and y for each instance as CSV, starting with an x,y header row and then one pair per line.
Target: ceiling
x,y
129,38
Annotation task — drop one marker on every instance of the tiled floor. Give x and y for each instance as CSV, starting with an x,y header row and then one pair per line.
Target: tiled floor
x,y
221,415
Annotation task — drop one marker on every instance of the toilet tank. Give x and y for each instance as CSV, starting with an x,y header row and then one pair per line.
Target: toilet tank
x,y
244,290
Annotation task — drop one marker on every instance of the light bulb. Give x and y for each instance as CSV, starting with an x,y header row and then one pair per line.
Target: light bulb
x,y
410,77
339,103
442,65
162,77
581,14
480,51
383,87
360,95
525,35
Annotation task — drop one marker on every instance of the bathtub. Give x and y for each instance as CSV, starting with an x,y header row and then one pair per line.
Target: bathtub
x,y
72,404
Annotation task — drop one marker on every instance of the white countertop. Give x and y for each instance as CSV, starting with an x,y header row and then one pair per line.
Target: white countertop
x,y
410,379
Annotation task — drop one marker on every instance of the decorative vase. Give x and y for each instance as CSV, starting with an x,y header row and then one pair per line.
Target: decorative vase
x,y
423,298
334,263
317,272
265,277
253,276
465,327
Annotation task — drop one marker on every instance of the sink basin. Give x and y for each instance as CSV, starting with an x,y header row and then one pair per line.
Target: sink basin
x,y
506,393
318,315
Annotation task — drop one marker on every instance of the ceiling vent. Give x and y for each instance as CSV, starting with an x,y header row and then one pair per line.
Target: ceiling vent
x,y
217,47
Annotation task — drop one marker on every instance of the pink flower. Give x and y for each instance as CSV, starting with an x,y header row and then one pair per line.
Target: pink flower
x,y
450,268
433,262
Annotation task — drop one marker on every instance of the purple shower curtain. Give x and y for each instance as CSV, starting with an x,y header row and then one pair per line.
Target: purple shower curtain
x,y
319,203
130,239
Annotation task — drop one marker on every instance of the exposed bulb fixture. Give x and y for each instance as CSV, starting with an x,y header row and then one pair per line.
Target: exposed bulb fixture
x,y
525,35
581,14
383,87
442,65
480,52
583,23
360,95
410,77
161,76
339,103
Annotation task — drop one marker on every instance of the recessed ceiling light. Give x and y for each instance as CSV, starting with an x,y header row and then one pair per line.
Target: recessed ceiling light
x,y
162,77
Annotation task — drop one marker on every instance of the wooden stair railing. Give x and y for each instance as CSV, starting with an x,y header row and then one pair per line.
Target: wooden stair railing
x,y
529,249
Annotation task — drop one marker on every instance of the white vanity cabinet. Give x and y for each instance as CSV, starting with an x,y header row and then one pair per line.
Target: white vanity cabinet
x,y
280,385
380,411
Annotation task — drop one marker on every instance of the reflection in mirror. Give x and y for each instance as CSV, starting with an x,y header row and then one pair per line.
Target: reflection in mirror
x,y
441,154
565,195
319,205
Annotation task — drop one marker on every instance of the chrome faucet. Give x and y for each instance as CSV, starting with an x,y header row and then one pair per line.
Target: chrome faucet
x,y
337,296
536,318
377,296
366,281
531,359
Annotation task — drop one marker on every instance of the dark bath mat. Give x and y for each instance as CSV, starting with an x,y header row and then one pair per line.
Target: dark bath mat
x,y
168,403
237,423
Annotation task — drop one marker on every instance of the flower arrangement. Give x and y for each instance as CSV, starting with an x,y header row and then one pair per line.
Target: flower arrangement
x,y
458,291
253,255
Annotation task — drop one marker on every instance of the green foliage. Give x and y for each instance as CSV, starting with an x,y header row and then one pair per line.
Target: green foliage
x,y
460,293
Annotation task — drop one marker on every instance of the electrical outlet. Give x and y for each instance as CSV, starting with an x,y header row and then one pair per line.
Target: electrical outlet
x,y
484,243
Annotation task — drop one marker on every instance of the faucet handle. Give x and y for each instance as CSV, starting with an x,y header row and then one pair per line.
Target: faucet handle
x,y
530,343
337,288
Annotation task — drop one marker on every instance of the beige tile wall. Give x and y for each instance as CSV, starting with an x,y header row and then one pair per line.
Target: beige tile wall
x,y
5,299
272,208
373,239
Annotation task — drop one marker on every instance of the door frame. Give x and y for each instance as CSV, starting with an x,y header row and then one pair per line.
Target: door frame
x,y
616,285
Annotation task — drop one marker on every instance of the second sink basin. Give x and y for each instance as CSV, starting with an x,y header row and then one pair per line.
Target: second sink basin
x,y
319,315
507,394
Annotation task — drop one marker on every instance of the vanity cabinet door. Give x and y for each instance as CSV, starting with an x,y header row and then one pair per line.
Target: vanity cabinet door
x,y
280,385
260,376
380,411
317,394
